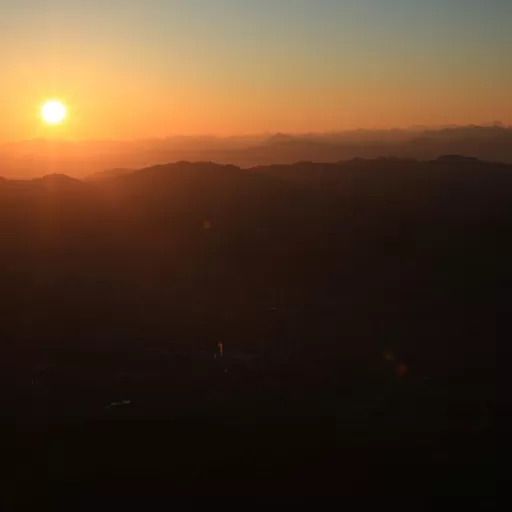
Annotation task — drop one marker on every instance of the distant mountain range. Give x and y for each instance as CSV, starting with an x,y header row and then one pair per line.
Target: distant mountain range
x,y
25,160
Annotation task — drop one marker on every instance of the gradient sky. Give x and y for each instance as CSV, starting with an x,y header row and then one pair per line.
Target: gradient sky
x,y
140,68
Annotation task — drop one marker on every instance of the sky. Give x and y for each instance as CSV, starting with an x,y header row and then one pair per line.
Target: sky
x,y
151,68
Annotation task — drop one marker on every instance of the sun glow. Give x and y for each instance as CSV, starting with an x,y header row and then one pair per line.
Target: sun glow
x,y
53,112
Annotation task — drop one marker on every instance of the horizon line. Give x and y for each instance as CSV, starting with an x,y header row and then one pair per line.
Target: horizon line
x,y
267,133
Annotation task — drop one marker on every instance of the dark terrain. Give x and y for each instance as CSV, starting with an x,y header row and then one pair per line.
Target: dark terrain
x,y
357,303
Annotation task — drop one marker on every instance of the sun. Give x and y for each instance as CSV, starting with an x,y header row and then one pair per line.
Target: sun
x,y
53,112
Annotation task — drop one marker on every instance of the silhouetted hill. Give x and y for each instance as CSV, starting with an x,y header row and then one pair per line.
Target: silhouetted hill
x,y
304,227
203,187
356,302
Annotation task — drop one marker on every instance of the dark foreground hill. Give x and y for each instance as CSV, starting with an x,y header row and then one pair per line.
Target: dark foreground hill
x,y
356,304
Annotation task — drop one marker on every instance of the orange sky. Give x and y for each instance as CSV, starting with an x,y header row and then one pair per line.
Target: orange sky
x,y
158,68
